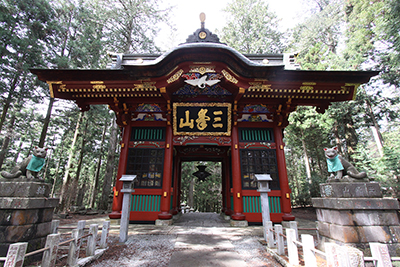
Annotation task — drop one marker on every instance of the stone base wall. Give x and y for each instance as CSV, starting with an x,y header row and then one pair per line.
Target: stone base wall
x,y
26,213
355,214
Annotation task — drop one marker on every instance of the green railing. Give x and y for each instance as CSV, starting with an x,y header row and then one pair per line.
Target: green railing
x,y
252,204
256,135
151,134
145,202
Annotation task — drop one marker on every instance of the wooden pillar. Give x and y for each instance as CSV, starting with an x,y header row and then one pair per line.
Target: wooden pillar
x,y
167,176
236,178
179,192
223,186
227,195
123,161
286,206
175,202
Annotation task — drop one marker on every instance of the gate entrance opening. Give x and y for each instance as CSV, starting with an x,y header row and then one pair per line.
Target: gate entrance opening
x,y
201,193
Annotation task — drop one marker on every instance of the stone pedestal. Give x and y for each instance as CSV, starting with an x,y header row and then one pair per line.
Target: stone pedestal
x,y
26,213
355,214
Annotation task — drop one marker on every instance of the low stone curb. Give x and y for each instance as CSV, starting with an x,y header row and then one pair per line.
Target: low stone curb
x,y
278,258
97,254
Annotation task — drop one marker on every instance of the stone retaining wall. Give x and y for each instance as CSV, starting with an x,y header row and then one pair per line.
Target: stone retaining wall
x,y
26,212
355,214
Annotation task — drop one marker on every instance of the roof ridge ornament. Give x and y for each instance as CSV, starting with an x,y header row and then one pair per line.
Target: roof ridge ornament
x,y
203,34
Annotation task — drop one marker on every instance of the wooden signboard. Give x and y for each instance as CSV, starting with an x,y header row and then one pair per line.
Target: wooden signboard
x,y
202,119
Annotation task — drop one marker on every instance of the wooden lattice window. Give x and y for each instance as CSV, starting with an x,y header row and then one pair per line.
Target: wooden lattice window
x,y
258,161
148,165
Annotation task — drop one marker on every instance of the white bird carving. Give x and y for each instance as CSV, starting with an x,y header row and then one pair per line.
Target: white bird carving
x,y
201,83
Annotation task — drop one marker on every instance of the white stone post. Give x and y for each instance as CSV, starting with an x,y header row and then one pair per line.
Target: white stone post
x,y
293,225
309,257
16,254
279,239
104,234
54,226
91,242
74,248
263,187
293,254
50,256
381,253
270,235
127,189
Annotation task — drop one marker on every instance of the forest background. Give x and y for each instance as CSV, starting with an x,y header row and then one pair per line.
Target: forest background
x,y
83,147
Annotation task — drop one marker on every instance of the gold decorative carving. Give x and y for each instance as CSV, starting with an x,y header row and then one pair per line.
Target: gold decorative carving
x,y
99,87
309,83
202,69
259,86
146,86
306,87
96,82
50,83
163,90
229,77
175,119
242,90
175,77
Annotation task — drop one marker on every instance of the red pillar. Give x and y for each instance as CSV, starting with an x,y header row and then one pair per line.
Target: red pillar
x,y
223,182
283,179
236,179
179,192
167,177
123,158
227,196
175,202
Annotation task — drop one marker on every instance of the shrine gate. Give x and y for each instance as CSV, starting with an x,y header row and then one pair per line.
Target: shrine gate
x,y
203,101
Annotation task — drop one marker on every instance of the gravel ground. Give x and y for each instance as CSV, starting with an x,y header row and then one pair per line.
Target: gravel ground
x,y
156,250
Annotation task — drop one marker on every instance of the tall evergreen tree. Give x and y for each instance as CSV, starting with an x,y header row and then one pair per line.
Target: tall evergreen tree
x,y
252,28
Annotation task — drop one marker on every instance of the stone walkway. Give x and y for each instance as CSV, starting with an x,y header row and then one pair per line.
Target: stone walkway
x,y
195,239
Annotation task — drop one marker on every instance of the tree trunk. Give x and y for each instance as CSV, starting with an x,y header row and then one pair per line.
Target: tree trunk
x,y
337,137
18,151
75,180
9,99
7,138
96,178
306,161
66,179
108,176
58,164
46,123
375,129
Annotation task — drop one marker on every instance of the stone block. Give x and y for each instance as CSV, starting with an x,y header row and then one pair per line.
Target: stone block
x,y
372,218
24,189
27,203
341,217
351,190
20,233
21,217
356,203
46,215
164,222
395,232
347,234
43,229
235,223
324,228
24,233
374,234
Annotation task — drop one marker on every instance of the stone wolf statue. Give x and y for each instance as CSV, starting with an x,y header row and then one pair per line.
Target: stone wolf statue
x,y
345,171
29,167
